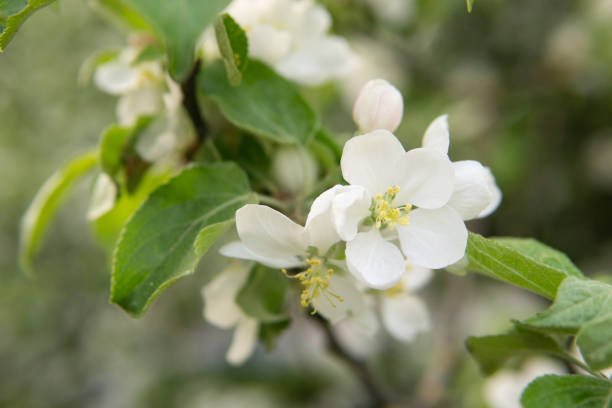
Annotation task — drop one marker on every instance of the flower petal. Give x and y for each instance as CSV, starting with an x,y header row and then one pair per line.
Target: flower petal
x,y
496,194
335,310
220,307
472,194
404,316
371,160
270,234
244,341
437,135
116,77
375,261
416,277
433,238
425,178
238,250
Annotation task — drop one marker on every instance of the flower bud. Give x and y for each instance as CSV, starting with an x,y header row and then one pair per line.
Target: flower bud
x,y
379,105
294,169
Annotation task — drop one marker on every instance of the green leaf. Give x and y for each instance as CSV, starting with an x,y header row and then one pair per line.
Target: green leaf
x,y
89,66
264,104
156,246
269,332
38,216
121,11
263,296
582,307
234,47
178,25
13,13
207,237
523,265
567,391
492,352
469,4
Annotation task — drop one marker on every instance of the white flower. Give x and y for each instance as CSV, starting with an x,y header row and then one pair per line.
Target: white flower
x,y
221,310
475,194
103,197
405,315
270,238
294,169
293,37
379,106
504,388
395,181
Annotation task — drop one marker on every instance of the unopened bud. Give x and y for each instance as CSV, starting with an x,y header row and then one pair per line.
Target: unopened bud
x,y
294,169
379,105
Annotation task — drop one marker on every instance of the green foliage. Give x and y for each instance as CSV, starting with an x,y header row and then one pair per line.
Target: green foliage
x,y
122,12
156,246
469,4
525,263
264,104
582,308
568,391
263,296
178,25
492,352
13,13
41,211
209,234
233,45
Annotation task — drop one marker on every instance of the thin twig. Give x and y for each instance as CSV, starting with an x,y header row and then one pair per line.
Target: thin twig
x,y
378,397
190,102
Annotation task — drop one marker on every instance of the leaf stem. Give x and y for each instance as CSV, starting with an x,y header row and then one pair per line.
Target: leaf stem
x,y
191,105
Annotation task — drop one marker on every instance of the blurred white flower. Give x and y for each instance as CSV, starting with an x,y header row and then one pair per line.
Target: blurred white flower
x,y
221,310
395,181
103,197
293,37
504,388
379,106
475,193
294,169
393,11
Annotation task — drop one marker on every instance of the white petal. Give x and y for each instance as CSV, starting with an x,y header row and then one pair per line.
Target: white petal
x,y
433,238
270,234
238,250
139,102
425,178
471,194
244,341
416,277
379,105
268,44
219,295
116,77
375,261
405,316
319,225
496,195
103,197
437,135
333,309
371,160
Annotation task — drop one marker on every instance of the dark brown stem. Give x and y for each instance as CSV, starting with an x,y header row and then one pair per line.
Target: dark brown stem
x,y
377,396
190,102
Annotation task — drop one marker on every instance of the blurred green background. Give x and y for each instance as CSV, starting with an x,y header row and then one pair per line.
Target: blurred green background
x,y
528,87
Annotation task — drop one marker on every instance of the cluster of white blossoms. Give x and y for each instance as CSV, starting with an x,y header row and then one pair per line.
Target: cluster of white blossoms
x,y
293,37
401,215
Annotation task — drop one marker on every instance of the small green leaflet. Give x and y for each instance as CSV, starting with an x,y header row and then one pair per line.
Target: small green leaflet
x,y
525,263
567,391
13,13
39,215
122,12
264,104
178,25
234,47
583,308
469,4
263,296
157,246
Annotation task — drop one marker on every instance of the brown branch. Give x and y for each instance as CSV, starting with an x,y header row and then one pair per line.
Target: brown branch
x,y
191,105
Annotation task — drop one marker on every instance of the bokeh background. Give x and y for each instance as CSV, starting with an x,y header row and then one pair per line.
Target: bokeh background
x,y
528,87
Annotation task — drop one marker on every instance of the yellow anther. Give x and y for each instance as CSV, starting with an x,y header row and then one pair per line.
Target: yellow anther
x,y
330,271
315,281
284,271
378,197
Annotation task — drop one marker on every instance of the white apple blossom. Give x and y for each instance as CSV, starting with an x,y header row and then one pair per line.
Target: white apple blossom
x,y
221,310
379,105
408,192
294,169
270,238
293,37
475,194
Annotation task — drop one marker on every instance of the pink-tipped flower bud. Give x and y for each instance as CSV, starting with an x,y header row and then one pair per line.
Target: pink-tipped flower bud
x,y
379,105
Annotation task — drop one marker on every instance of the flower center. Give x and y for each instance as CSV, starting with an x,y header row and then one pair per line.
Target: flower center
x,y
383,212
315,282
